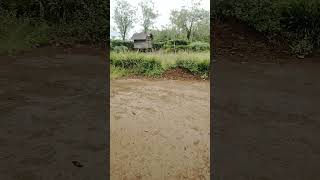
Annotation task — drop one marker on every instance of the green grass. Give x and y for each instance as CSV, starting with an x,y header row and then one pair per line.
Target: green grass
x,y
155,64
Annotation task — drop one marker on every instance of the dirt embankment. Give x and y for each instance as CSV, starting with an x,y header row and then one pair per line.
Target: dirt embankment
x,y
240,43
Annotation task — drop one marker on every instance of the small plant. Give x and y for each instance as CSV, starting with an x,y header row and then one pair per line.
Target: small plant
x,y
302,47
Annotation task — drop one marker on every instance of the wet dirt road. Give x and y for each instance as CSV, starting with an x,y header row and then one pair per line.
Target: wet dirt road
x,y
266,121
52,112
160,129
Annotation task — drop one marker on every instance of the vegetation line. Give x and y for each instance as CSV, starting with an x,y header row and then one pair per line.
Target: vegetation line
x,y
156,64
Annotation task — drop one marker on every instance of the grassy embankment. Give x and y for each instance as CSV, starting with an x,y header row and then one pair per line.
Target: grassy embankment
x,y
156,64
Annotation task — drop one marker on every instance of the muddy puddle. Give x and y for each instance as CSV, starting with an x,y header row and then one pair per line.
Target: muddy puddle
x,y
159,129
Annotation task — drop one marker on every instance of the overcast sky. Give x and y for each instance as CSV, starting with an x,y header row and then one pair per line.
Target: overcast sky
x,y
162,6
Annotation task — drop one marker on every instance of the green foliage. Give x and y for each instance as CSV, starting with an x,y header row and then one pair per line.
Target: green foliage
x,y
120,49
148,14
187,17
202,30
301,21
117,72
158,45
302,47
177,42
184,45
32,23
297,21
194,66
124,17
40,36
166,34
155,64
137,64
199,46
114,43
176,45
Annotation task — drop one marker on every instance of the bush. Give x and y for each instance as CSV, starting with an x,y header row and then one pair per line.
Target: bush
x,y
177,42
301,20
154,64
199,46
302,47
128,44
137,63
195,67
158,45
39,36
177,48
77,20
120,49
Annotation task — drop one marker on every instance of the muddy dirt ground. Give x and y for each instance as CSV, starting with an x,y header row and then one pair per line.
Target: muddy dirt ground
x,y
265,105
53,112
160,129
266,121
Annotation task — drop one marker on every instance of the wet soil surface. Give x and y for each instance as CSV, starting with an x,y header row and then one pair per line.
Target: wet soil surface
x,y
52,116
160,129
266,121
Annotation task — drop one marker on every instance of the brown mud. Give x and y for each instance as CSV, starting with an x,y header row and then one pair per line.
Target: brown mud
x,y
160,129
266,114
52,114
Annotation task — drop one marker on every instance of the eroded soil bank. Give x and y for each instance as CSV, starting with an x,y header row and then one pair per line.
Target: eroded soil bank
x,y
160,129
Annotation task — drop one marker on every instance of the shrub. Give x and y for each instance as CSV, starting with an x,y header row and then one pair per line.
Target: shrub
x,y
120,49
177,42
302,47
151,64
137,63
301,20
128,44
158,45
199,46
195,66
39,36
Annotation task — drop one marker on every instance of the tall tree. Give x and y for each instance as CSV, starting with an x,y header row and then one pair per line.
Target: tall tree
x,y
187,17
201,30
149,14
124,17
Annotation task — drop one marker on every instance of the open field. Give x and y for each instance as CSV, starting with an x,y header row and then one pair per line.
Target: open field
x,y
160,129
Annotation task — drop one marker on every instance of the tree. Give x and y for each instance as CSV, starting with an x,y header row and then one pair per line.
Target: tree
x,y
187,17
124,17
148,14
201,30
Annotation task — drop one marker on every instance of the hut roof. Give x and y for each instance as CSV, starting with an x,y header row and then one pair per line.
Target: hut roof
x,y
140,36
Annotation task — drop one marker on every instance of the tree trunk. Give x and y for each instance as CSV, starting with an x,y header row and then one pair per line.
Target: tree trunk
x,y
188,35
